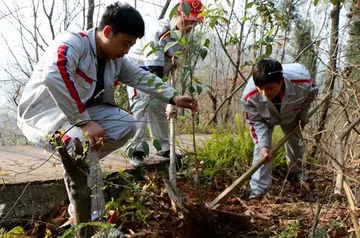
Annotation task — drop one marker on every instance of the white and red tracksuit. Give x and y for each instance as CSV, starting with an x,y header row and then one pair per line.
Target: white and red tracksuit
x,y
263,116
155,116
63,81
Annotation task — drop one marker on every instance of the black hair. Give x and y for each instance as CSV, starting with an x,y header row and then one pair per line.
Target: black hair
x,y
123,18
267,71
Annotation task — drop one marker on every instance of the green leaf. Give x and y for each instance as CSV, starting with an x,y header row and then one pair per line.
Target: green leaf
x,y
191,89
244,18
153,103
156,144
158,85
196,116
196,80
316,2
152,52
249,5
185,75
145,46
165,78
18,230
150,82
199,89
186,8
203,52
177,53
270,31
173,10
269,49
154,44
183,40
70,233
206,43
176,34
169,45
145,147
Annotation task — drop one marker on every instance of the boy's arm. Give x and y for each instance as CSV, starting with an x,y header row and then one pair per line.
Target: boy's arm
x,y
58,76
259,128
145,81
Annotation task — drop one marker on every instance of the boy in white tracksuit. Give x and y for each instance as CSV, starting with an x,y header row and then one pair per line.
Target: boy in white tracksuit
x,y
159,63
73,84
277,95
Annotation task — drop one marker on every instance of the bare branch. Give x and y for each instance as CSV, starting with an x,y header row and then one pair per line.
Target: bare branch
x,y
90,14
164,9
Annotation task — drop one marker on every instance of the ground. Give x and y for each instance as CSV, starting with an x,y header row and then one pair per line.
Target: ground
x,y
143,208
288,210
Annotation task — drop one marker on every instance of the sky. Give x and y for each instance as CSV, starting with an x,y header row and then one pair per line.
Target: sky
x,y
150,9
9,34
12,35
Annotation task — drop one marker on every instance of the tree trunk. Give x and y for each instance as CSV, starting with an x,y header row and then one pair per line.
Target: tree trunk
x,y
77,172
163,11
340,154
90,15
330,81
214,105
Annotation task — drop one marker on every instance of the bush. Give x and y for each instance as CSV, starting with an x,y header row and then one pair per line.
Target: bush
x,y
227,155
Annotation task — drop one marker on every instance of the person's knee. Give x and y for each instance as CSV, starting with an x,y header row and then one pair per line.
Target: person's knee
x,y
125,130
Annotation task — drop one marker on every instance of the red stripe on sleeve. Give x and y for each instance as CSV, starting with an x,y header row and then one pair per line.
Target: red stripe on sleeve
x,y
61,64
300,80
252,129
250,94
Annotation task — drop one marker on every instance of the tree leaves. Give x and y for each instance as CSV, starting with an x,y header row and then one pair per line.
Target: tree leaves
x,y
203,52
156,144
169,45
186,8
145,147
173,10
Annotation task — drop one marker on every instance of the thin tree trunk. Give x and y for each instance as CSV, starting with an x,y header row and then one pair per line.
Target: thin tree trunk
x,y
90,15
340,155
330,81
77,171
214,105
163,11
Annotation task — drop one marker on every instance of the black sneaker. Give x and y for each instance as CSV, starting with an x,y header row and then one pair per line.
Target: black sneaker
x,y
166,154
137,158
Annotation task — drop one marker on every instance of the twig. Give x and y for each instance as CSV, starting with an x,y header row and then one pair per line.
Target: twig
x,y
316,219
16,202
350,198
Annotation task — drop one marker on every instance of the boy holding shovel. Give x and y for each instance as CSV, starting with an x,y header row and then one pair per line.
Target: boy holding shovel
x,y
277,95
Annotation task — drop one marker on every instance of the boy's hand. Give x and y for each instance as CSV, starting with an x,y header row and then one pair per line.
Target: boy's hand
x,y
95,134
265,153
303,124
186,102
